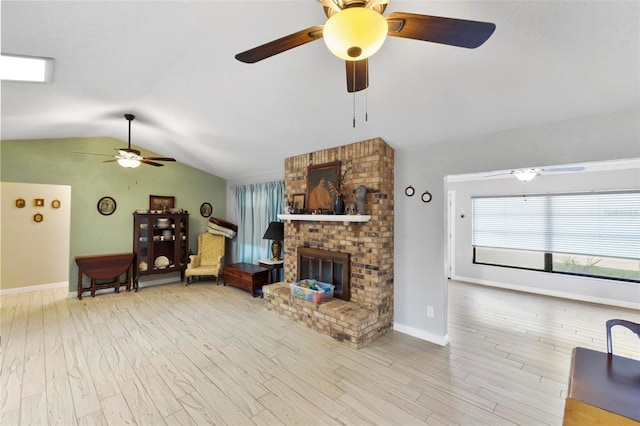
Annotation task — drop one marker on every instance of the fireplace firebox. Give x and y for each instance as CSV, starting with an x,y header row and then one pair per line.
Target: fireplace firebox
x,y
325,266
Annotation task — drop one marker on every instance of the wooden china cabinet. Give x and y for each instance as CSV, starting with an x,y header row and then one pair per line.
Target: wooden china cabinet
x,y
161,244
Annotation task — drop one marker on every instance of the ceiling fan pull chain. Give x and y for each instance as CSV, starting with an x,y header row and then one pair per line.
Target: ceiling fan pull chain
x,y
354,95
366,93
366,104
354,110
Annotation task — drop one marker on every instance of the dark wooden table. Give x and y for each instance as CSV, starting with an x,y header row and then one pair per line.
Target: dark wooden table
x,y
603,389
246,276
274,266
105,267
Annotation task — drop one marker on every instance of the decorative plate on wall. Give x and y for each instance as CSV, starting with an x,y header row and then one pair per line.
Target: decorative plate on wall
x,y
20,203
106,206
206,209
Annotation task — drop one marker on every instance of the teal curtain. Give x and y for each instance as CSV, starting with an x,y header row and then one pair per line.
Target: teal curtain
x,y
257,205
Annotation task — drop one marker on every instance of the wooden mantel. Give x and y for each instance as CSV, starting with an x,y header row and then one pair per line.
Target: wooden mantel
x,y
345,218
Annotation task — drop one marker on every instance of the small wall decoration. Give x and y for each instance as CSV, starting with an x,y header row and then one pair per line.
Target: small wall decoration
x,y
38,217
320,181
106,206
426,196
20,203
55,204
161,203
409,191
297,203
38,202
206,209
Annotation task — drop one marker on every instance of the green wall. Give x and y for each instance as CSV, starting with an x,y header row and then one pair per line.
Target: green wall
x,y
52,161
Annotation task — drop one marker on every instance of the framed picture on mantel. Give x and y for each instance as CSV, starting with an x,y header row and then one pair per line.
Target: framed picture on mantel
x,y
297,203
321,180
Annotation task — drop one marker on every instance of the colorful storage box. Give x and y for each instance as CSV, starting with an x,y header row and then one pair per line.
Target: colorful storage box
x,y
312,295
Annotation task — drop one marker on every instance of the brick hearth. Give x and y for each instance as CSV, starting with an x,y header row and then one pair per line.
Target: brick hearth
x,y
369,313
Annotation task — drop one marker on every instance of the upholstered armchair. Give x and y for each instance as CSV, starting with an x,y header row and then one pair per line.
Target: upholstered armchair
x,y
209,260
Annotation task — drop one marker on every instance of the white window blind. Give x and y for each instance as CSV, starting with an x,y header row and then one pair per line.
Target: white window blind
x,y
593,224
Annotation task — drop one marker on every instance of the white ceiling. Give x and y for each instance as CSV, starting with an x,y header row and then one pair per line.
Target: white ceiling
x,y
172,64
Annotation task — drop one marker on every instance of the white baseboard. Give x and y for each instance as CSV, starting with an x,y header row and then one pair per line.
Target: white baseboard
x,y
421,334
31,288
553,293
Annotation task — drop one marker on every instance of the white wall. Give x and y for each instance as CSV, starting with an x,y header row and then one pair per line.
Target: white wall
x,y
579,288
420,228
41,248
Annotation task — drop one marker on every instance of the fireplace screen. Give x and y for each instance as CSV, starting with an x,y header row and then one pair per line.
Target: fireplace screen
x,y
327,267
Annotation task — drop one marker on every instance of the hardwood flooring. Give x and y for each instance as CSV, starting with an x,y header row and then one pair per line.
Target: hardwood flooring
x,y
209,354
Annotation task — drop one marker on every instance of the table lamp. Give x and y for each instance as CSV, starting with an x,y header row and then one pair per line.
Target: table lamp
x,y
275,232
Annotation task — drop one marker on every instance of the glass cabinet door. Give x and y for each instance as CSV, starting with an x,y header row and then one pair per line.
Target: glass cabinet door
x,y
143,244
182,234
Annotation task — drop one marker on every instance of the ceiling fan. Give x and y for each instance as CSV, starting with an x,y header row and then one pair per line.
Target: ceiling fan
x,y
129,157
356,29
525,175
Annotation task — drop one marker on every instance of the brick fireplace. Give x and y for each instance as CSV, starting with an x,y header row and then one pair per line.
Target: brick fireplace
x,y
368,312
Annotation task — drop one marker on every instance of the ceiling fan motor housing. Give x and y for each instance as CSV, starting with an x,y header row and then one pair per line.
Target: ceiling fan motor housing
x,y
345,4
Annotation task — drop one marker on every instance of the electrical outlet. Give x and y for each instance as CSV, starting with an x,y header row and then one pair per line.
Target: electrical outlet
x,y
430,311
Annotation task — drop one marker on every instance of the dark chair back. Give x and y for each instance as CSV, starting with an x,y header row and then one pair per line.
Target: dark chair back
x,y
633,326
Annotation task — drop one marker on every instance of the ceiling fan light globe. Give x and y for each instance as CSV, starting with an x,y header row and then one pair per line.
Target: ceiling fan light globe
x,y
525,175
129,163
355,31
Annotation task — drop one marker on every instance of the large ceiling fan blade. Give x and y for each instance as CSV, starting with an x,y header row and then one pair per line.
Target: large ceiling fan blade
x,y
453,32
499,174
357,75
151,163
280,45
564,169
159,158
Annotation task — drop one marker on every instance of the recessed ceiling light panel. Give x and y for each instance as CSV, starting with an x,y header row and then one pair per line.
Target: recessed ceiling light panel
x,y
31,69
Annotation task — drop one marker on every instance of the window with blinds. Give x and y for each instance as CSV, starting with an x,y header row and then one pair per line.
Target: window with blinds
x,y
595,234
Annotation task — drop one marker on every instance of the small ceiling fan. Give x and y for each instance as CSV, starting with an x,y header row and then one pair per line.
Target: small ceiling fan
x,y
356,29
129,157
525,175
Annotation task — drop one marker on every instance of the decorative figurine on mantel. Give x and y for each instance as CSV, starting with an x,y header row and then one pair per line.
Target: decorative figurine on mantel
x,y
351,208
361,193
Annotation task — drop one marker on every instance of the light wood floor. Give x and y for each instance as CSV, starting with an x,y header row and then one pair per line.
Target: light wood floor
x,y
212,354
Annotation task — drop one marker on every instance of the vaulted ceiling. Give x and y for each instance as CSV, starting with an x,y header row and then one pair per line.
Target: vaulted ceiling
x,y
172,64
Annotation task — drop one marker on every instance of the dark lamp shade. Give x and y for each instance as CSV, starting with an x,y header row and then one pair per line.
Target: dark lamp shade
x,y
274,232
